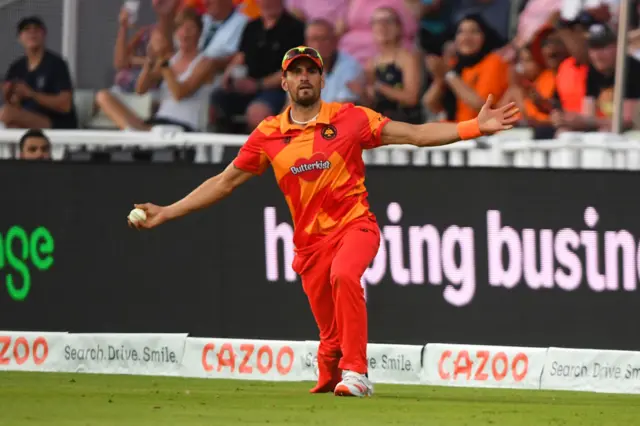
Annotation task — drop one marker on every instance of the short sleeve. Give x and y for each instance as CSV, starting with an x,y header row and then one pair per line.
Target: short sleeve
x,y
63,77
593,85
371,132
252,157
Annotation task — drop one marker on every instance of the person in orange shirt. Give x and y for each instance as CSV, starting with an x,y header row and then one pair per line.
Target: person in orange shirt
x,y
315,149
478,71
533,82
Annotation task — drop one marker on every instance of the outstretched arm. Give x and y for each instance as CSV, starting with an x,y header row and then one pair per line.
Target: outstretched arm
x,y
488,122
209,192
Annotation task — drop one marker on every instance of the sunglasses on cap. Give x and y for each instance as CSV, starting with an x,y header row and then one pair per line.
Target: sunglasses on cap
x,y
302,52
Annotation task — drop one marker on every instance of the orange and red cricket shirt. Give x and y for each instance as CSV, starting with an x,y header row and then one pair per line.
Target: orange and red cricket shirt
x,y
319,169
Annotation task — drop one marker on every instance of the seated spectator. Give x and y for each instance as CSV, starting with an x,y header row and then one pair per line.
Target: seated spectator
x,y
251,82
340,68
394,78
571,78
310,10
183,94
37,89
34,145
597,109
129,54
357,39
461,92
533,82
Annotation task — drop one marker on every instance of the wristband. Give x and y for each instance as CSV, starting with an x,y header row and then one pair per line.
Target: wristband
x,y
469,129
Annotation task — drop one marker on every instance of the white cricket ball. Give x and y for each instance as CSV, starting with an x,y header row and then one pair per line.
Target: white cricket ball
x,y
137,215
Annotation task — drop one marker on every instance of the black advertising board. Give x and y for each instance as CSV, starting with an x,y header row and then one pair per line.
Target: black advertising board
x,y
486,256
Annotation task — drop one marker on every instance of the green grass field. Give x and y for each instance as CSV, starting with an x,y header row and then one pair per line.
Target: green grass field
x,y
84,399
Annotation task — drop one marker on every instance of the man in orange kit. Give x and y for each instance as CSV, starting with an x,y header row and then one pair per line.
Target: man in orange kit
x,y
315,149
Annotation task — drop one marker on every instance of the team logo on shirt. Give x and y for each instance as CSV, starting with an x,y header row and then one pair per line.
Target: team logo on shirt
x,y
329,132
310,169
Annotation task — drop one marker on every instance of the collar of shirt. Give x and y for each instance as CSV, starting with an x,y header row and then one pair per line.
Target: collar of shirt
x,y
286,125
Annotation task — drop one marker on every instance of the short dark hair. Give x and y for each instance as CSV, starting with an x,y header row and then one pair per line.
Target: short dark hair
x,y
30,20
33,133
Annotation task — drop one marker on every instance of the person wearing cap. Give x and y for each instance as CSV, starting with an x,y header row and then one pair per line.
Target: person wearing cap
x,y
37,86
597,108
315,149
340,68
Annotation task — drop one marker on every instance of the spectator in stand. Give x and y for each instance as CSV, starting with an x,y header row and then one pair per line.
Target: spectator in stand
x,y
533,82
357,34
597,108
37,89
311,10
251,82
461,91
571,78
34,145
129,54
183,93
393,76
340,68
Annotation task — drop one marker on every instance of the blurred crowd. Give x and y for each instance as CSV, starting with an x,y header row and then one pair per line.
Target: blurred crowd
x,y
214,65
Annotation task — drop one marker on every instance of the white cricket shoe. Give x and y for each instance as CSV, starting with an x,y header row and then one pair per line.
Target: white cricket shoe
x,y
354,384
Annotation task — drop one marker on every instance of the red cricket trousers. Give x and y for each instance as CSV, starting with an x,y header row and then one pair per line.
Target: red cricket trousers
x,y
331,280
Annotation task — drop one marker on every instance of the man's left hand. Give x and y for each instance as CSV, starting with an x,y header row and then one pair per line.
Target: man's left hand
x,y
496,120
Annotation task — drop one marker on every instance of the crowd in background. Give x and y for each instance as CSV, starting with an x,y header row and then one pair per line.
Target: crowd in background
x,y
214,65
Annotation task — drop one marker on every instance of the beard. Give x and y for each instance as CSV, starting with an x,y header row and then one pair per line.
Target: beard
x,y
305,100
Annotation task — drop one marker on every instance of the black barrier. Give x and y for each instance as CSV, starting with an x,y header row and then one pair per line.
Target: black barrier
x,y
487,256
